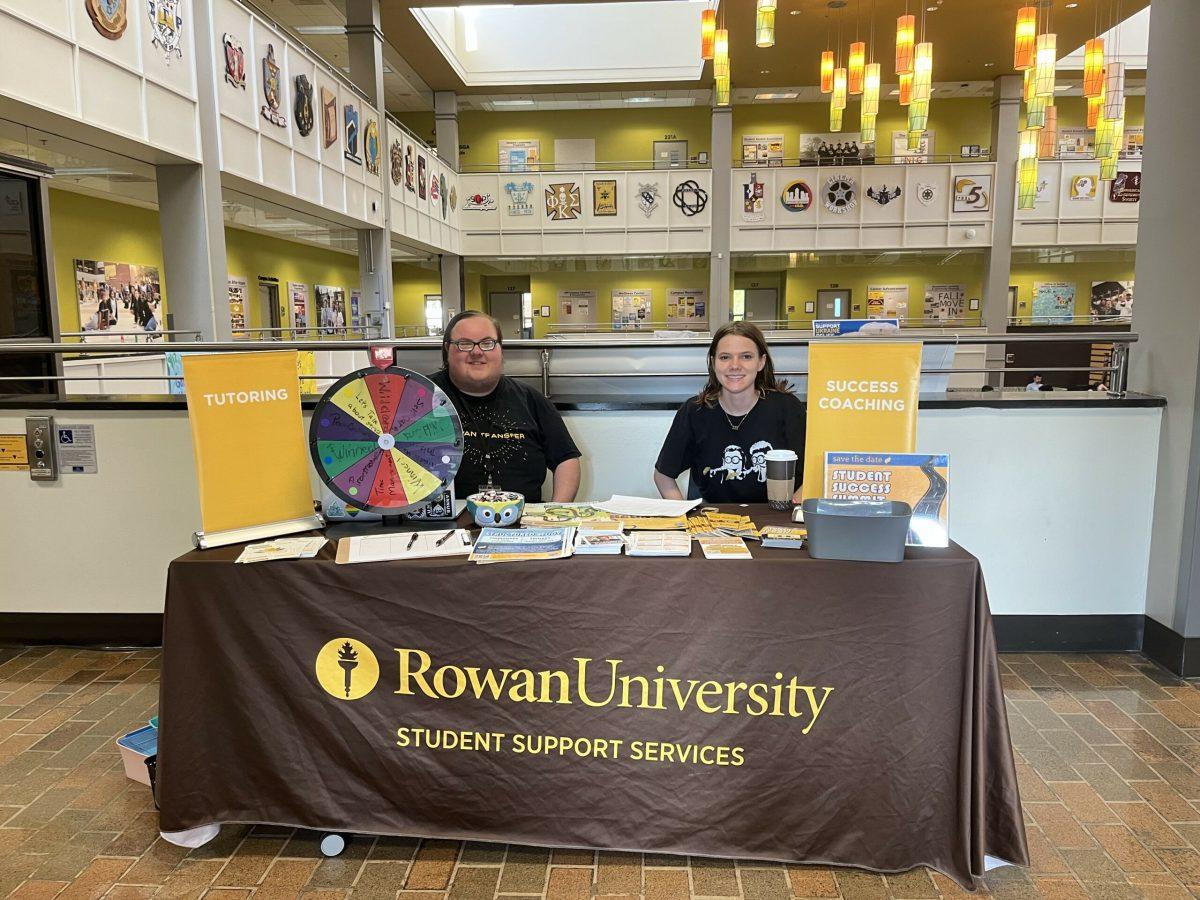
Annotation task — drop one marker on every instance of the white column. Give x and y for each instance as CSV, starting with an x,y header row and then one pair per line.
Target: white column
x,y
1006,143
364,39
722,179
1166,358
445,121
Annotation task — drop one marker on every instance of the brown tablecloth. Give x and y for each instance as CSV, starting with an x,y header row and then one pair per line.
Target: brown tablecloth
x,y
783,708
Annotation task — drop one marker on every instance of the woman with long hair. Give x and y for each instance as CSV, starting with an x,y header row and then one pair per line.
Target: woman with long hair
x,y
721,436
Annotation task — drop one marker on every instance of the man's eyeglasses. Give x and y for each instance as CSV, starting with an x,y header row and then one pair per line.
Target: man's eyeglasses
x,y
486,345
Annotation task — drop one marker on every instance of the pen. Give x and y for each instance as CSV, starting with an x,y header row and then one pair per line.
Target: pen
x,y
412,540
445,537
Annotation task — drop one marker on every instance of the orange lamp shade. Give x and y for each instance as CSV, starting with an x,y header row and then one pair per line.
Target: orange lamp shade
x,y
923,71
856,69
1048,138
827,72
870,94
1093,67
906,37
839,88
1023,54
708,33
906,85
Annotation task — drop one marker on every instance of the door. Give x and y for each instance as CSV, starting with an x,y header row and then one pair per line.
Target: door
x,y
670,154
505,306
833,304
270,312
762,306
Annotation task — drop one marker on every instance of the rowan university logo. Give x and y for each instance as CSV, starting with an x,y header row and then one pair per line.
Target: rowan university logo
x,y
347,669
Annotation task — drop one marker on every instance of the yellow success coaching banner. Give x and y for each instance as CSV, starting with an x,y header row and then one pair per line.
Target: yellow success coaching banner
x,y
860,397
248,437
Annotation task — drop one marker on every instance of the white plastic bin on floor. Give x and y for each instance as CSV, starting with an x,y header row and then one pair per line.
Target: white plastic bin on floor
x,y
135,748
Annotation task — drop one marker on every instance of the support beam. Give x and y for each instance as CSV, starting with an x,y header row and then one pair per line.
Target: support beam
x,y
719,278
453,276
1166,358
1006,142
191,215
445,120
364,38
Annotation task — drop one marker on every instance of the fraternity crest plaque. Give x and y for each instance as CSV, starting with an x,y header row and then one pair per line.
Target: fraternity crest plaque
x,y
304,106
109,16
445,199
371,146
563,202
271,93
397,159
882,195
926,193
329,128
166,27
604,197
409,170
520,198
420,177
351,151
453,198
689,198
479,202
434,189
752,199
796,196
648,198
840,194
235,61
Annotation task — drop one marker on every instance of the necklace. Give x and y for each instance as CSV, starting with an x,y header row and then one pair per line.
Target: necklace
x,y
741,420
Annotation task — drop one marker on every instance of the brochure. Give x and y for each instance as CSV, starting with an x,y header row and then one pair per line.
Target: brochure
x,y
922,480
497,545
654,523
282,548
551,515
723,547
658,543
599,541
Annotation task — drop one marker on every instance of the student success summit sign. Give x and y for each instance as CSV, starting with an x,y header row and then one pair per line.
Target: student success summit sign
x,y
860,397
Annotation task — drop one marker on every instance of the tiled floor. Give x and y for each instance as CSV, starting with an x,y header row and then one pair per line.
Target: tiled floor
x,y
1108,750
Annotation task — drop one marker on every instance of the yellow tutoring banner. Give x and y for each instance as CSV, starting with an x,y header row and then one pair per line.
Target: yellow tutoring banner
x,y
861,396
248,437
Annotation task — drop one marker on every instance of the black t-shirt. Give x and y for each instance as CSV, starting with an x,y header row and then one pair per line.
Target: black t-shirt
x,y
513,434
729,466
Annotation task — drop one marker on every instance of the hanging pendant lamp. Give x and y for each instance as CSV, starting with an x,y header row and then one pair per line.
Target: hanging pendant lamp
x,y
923,71
1027,87
838,101
1095,106
1043,79
906,36
721,54
1035,113
1093,67
764,25
1027,170
1048,136
856,67
827,65
721,87
708,33
1023,55
1114,90
906,88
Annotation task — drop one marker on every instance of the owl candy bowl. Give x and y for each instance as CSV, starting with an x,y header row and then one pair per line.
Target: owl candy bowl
x,y
495,508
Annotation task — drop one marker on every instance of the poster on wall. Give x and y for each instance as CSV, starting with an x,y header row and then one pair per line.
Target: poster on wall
x,y
237,305
1075,143
762,149
945,301
1135,141
604,197
687,309
356,316
331,309
1053,302
835,149
1083,188
576,307
298,299
630,308
902,155
117,301
887,301
520,156
1112,300
1047,186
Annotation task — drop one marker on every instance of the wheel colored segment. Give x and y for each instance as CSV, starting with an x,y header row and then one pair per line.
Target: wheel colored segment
x,y
357,480
388,492
335,424
355,399
385,391
337,456
418,481
435,427
415,402
440,459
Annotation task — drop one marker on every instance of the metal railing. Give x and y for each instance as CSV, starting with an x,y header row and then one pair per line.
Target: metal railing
x,y
766,325
1117,372
135,337
364,332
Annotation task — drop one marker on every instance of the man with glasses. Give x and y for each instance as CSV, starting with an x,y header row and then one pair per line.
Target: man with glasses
x,y
513,434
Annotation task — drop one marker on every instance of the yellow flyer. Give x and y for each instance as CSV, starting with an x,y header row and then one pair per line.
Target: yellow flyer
x,y
922,480
248,436
861,396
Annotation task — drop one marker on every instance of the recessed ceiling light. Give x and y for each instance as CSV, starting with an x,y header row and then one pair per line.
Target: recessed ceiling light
x,y
1072,5
794,12
764,71
931,9
895,91
640,99
320,29
512,103
988,65
789,95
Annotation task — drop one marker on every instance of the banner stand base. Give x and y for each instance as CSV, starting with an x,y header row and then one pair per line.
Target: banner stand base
x,y
207,540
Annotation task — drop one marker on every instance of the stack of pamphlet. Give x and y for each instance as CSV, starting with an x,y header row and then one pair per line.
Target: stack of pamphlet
x,y
596,539
282,548
717,523
723,547
497,545
780,536
658,543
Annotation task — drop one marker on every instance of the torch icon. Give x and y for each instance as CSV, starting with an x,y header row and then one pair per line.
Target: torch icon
x,y
348,660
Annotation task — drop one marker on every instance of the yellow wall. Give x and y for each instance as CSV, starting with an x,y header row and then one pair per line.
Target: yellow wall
x,y
1072,112
953,122
804,281
546,285
1081,274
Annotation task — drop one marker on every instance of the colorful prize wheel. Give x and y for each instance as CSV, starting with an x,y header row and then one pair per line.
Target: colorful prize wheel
x,y
386,440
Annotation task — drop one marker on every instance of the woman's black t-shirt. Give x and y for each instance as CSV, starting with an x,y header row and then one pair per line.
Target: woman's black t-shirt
x,y
728,465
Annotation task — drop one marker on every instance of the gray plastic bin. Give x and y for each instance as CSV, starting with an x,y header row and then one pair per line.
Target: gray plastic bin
x,y
863,530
